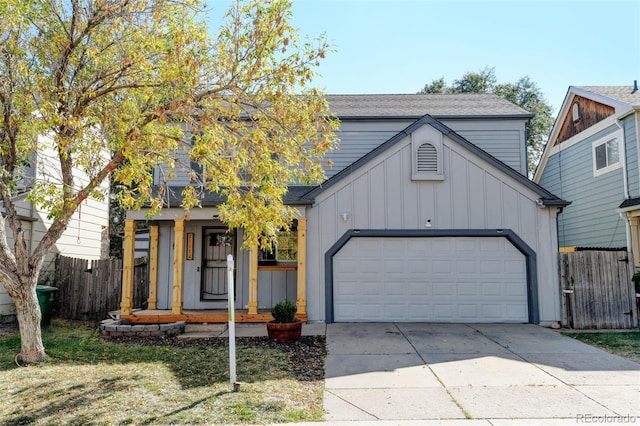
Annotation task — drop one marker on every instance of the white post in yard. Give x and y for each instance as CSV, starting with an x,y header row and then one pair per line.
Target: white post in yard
x,y
232,325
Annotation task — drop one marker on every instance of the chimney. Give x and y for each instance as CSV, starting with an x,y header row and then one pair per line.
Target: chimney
x,y
635,86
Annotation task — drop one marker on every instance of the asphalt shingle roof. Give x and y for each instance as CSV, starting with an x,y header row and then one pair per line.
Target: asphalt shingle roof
x,y
417,105
619,93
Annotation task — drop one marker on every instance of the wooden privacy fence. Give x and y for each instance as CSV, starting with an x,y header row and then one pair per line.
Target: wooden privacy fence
x,y
90,289
597,290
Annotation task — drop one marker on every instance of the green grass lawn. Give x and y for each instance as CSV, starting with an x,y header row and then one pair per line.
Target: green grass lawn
x,y
91,381
625,344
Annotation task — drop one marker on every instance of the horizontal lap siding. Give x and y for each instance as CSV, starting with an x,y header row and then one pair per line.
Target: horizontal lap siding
x,y
358,139
631,147
591,219
85,234
504,145
6,304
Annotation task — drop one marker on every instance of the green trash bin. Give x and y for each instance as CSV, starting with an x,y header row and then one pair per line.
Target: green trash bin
x,y
46,296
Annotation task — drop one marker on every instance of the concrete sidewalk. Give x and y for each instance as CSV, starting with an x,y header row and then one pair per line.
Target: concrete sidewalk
x,y
492,373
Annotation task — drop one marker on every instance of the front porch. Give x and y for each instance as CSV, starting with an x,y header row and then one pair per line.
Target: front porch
x,y
190,316
156,313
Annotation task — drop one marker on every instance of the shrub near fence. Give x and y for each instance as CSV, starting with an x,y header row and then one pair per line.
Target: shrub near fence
x,y
89,290
597,290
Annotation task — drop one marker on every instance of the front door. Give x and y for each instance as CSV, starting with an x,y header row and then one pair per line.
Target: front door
x,y
217,243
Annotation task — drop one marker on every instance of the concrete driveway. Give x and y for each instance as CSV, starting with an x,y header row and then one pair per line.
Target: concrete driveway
x,y
495,373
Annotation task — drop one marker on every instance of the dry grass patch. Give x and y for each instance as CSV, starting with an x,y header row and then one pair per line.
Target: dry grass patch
x,y
626,344
90,381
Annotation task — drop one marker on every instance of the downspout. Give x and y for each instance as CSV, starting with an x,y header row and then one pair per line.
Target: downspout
x,y
625,183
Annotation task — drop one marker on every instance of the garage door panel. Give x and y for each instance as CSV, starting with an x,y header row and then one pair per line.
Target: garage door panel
x,y
442,266
418,266
467,312
514,267
443,312
468,289
466,267
442,290
421,245
513,312
418,289
491,267
391,266
447,279
490,289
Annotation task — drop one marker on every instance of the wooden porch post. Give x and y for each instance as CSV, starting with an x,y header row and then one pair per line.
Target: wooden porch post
x,y
253,281
178,266
126,305
301,302
153,268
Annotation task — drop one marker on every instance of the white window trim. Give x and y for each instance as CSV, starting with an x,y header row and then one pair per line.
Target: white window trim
x,y
621,154
425,176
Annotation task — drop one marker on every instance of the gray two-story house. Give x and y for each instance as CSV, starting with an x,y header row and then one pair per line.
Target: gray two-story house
x,y
426,215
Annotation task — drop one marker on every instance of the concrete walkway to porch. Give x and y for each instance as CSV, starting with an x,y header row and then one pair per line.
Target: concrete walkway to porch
x,y
203,331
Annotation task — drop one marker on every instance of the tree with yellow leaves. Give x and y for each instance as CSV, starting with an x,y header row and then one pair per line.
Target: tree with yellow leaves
x,y
141,81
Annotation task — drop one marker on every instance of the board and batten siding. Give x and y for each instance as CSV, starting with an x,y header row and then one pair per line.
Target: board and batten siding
x,y
275,286
193,268
592,219
473,195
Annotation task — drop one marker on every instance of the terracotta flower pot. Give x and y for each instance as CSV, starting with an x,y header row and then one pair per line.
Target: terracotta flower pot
x,y
284,332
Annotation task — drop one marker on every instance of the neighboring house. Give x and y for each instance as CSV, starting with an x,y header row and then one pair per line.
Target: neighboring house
x,y
591,159
84,237
421,218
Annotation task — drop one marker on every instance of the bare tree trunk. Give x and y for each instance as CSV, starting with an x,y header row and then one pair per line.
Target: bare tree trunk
x,y
29,315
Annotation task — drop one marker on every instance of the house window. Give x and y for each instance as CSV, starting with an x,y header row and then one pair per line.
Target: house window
x,y
285,249
576,112
427,161
606,156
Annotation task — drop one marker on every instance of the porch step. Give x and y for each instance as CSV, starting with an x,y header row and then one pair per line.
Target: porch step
x,y
204,331
209,328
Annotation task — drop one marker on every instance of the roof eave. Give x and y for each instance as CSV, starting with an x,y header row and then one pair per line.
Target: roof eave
x,y
628,112
437,117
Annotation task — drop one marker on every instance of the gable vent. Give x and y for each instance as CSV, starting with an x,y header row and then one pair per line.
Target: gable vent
x,y
427,157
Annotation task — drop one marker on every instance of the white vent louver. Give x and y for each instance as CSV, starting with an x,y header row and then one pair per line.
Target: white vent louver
x,y
427,157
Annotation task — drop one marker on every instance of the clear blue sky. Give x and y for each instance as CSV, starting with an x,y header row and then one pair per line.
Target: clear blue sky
x,y
385,46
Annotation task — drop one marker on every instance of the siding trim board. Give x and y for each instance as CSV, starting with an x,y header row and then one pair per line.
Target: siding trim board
x,y
510,235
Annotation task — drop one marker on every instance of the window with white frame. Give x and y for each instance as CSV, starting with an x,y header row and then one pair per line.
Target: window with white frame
x,y
427,161
606,156
284,250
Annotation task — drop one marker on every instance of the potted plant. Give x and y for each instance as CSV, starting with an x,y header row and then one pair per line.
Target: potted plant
x,y
284,327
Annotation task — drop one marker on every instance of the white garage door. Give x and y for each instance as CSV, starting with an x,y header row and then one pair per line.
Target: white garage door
x,y
438,279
